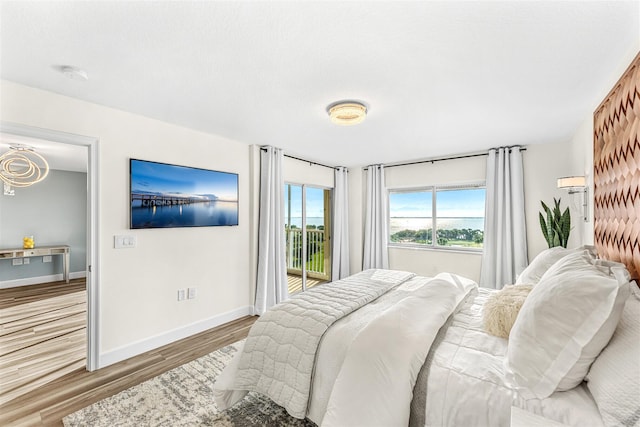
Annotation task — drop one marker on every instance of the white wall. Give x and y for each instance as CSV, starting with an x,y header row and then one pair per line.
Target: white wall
x,y
543,164
138,287
299,172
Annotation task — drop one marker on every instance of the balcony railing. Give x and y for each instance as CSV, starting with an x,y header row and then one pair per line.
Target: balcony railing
x,y
316,262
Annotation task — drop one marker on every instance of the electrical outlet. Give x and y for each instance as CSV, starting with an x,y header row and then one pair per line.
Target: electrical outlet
x,y
191,293
17,261
46,258
26,260
180,294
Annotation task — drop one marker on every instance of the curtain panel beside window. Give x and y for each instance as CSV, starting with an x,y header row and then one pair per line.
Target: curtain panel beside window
x,y
375,228
271,285
505,237
340,255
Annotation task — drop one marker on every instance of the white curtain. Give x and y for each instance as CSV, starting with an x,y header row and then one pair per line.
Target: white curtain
x,y
375,226
271,287
505,237
340,250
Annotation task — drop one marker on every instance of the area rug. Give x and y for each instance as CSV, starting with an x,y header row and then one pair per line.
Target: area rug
x,y
183,397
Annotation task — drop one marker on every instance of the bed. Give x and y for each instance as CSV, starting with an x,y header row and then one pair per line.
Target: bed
x,y
381,363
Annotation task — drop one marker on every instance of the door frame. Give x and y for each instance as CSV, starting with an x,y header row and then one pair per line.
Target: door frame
x,y
93,270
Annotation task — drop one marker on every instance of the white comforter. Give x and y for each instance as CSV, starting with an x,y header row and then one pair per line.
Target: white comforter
x,y
367,362
278,356
374,386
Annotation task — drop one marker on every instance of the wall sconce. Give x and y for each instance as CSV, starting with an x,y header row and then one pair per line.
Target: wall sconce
x,y
577,184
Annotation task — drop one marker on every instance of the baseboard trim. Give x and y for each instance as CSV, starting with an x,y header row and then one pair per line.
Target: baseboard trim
x,y
40,279
142,346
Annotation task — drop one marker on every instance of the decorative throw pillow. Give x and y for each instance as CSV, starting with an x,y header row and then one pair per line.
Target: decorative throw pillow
x,y
501,309
564,323
545,259
614,377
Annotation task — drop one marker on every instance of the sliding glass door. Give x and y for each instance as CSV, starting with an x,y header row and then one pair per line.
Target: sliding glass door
x,y
308,227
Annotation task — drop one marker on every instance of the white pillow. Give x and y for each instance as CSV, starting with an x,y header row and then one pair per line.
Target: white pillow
x,y
564,323
544,260
614,377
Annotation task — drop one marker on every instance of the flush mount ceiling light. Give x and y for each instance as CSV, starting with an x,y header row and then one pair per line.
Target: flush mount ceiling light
x,y
21,166
347,112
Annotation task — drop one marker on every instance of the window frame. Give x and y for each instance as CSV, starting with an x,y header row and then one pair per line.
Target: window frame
x,y
434,237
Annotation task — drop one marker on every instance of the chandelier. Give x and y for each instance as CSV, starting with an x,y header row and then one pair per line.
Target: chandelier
x,y
21,166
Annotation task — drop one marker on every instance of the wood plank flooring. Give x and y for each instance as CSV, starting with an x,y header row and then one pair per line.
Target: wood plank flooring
x,y
295,283
50,403
42,335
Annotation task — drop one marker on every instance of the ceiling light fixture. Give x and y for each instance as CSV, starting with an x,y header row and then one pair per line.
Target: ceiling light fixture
x,y
347,112
21,166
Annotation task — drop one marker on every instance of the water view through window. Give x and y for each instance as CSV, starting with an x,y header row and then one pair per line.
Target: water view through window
x,y
458,221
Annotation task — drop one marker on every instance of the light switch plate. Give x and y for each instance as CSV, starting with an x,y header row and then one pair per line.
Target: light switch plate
x,y
124,241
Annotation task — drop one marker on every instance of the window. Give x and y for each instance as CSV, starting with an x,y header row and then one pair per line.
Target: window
x,y
456,213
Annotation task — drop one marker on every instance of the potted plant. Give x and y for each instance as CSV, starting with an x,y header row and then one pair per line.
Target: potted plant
x,y
555,225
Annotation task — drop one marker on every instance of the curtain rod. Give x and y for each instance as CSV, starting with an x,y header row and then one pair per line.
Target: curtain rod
x,y
306,161
440,159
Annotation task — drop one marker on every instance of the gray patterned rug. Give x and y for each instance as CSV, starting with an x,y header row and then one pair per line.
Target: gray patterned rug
x,y
183,397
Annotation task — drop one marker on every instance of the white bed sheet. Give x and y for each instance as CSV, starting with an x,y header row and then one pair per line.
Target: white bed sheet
x,y
466,382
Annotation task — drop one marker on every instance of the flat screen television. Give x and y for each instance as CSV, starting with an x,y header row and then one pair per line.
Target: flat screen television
x,y
165,196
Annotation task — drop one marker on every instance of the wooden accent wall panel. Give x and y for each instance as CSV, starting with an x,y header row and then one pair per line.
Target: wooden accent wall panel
x,y
616,172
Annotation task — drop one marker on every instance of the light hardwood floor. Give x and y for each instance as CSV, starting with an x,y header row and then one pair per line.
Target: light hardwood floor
x,y
50,403
295,283
42,335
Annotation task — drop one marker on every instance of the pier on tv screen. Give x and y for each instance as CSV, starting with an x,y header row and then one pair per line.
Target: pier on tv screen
x,y
165,195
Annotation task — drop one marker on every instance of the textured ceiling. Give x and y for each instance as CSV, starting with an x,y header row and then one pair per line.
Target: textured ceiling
x,y
439,77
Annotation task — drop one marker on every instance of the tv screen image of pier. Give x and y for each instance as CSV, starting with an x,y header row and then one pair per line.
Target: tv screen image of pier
x,y
165,195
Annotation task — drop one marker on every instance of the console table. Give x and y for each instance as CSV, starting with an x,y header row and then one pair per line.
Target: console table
x,y
41,251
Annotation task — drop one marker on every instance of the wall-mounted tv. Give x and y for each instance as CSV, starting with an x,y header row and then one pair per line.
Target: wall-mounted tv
x,y
164,196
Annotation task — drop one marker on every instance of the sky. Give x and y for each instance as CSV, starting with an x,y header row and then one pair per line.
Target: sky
x,y
450,203
467,203
315,201
163,178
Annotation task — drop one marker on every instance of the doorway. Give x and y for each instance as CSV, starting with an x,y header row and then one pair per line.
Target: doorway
x,y
308,236
92,256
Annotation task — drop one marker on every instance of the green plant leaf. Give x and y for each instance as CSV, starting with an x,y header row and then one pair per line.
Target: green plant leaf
x,y
543,227
555,224
565,227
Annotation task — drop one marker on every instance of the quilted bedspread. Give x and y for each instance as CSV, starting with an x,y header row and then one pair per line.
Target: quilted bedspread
x,y
279,353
